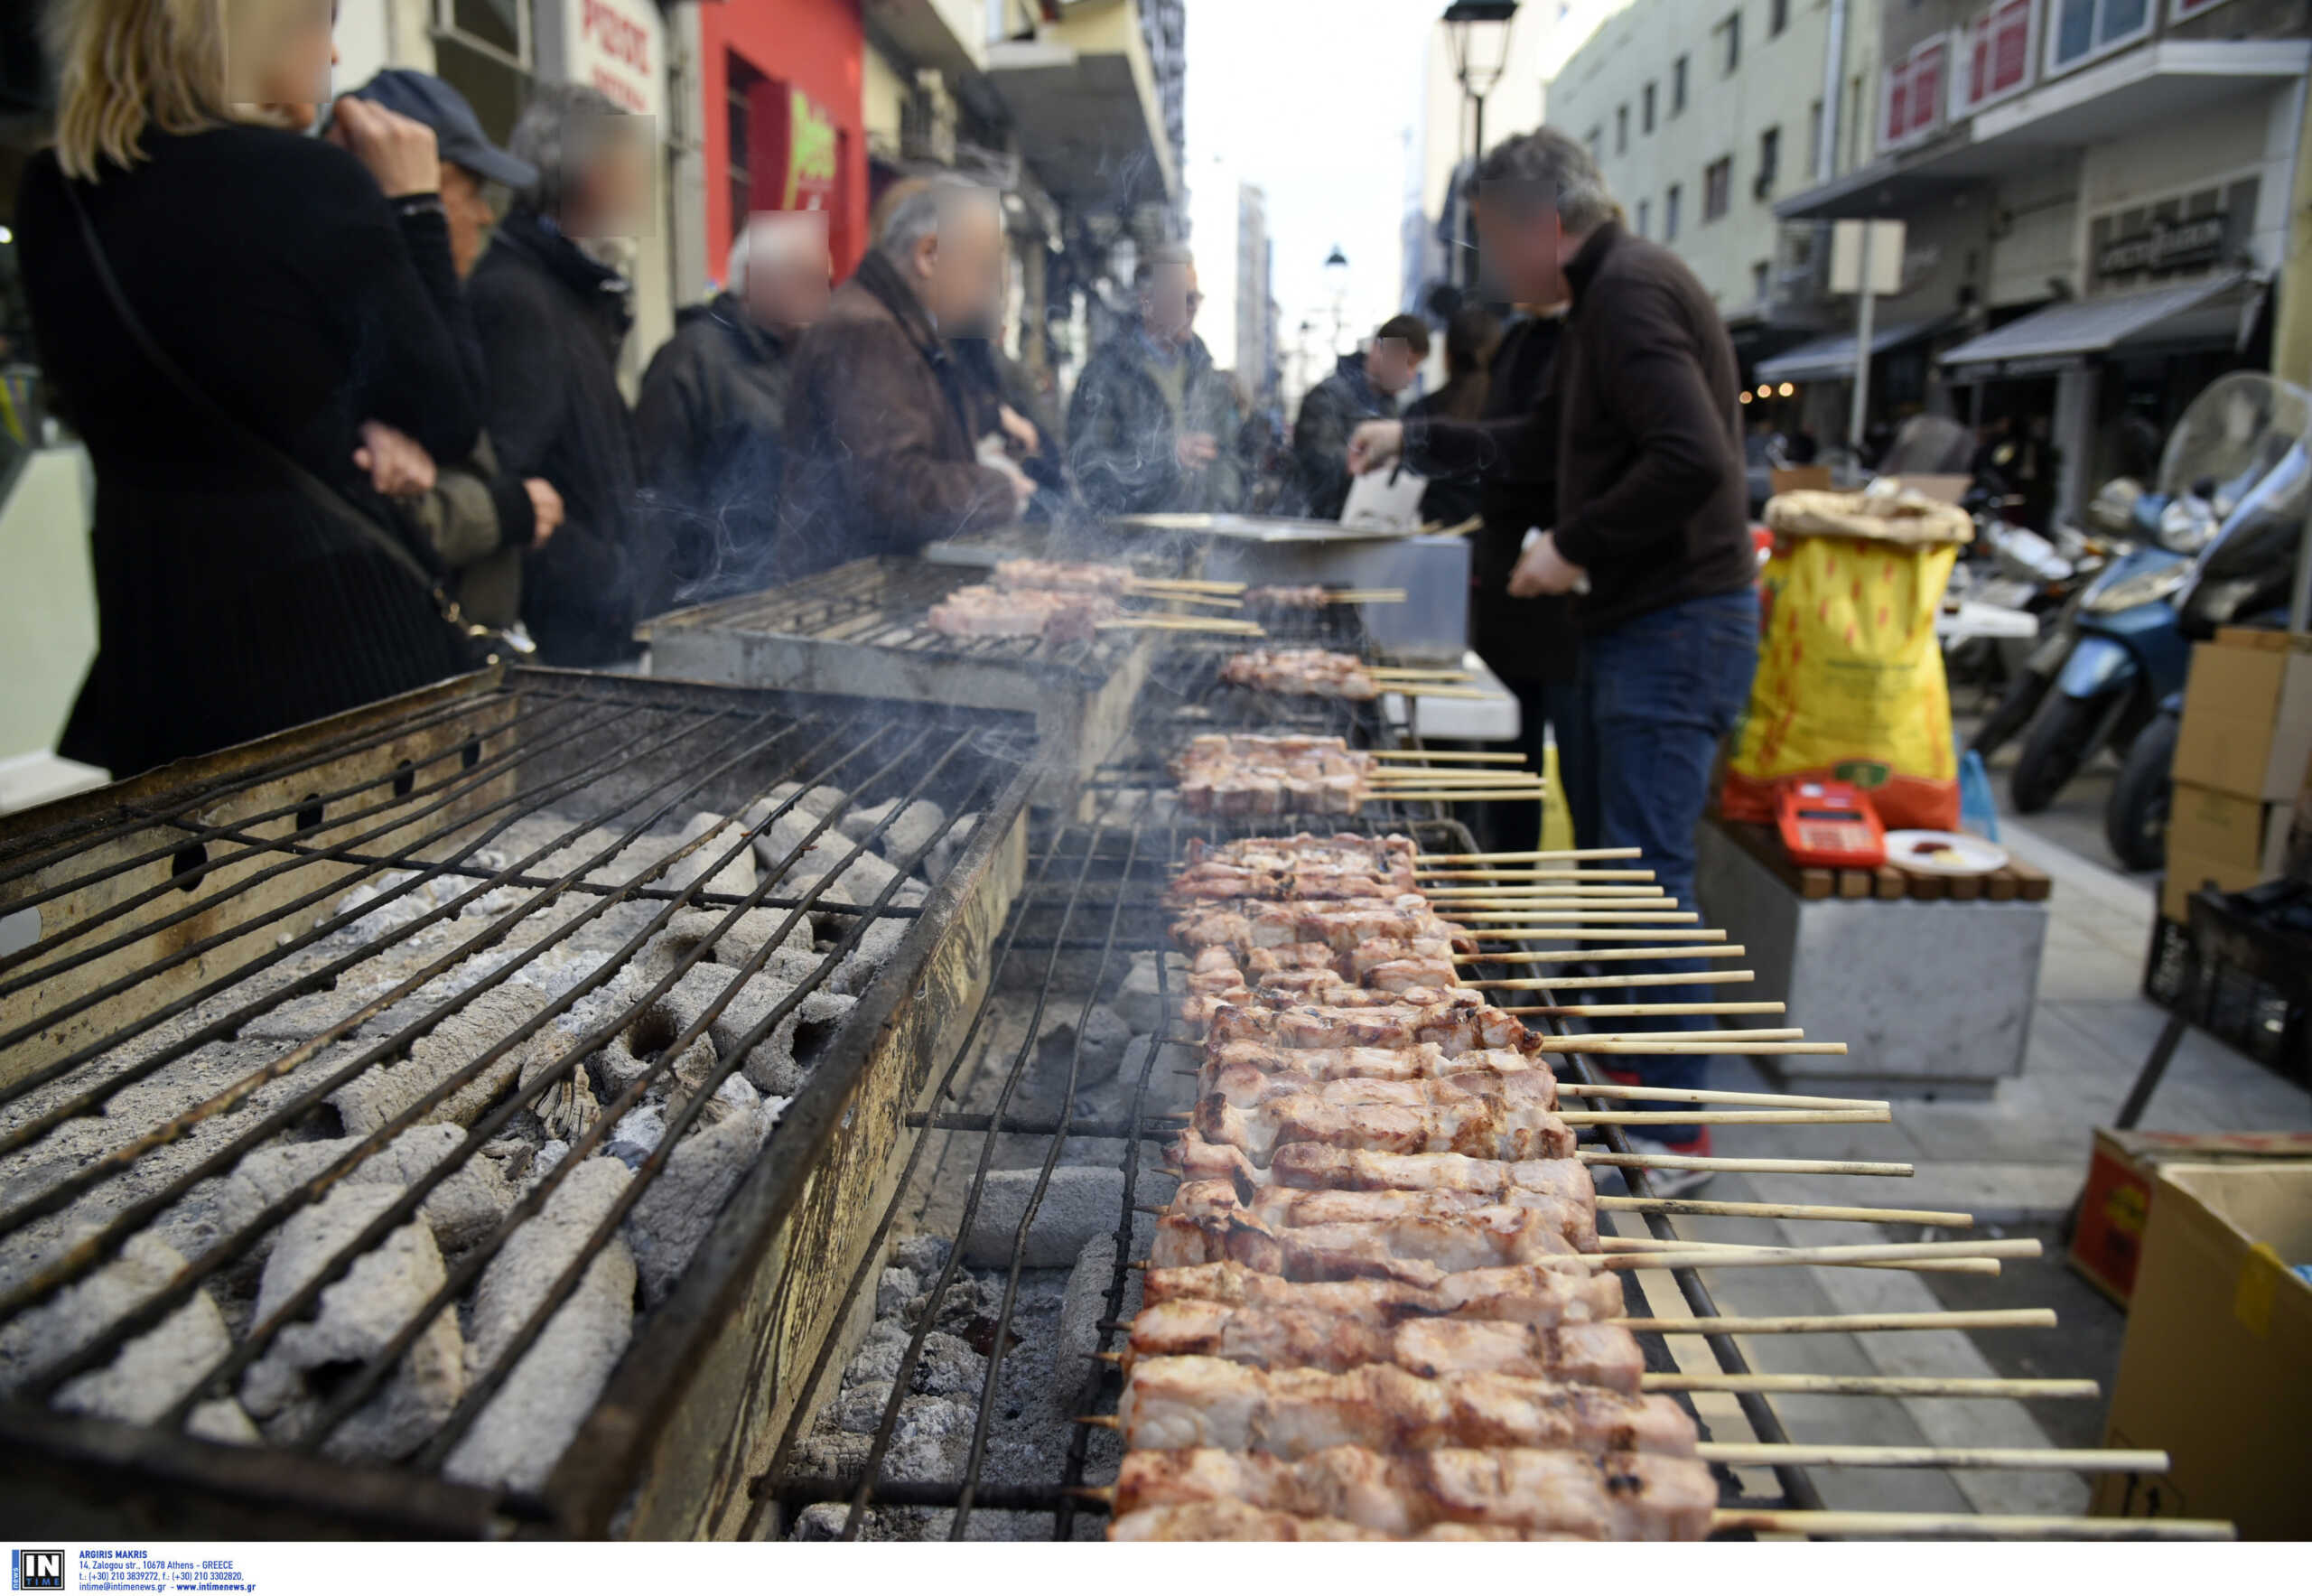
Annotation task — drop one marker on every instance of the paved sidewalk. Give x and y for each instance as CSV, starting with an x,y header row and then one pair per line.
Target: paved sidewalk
x,y
2020,1155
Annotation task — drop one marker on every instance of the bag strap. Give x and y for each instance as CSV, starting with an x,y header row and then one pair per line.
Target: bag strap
x,y
313,487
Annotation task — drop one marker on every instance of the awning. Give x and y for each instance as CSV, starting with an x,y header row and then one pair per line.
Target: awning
x,y
1826,359
2203,312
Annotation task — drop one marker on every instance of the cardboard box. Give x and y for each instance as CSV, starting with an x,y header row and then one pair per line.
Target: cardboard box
x,y
2248,714
1795,478
2188,872
1947,488
2208,822
2107,1244
2217,1369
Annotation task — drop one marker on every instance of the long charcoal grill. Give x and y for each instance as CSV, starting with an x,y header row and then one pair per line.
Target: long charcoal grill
x,y
861,628
149,922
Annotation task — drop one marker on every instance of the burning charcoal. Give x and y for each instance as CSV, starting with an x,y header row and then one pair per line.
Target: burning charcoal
x,y
925,1254
1080,1203
637,1136
880,1350
908,833
302,1018
358,1315
949,1367
465,1206
221,1205
522,1432
1137,1000
859,883
895,1288
1081,1311
816,801
876,944
950,847
568,1108
147,1376
792,961
737,878
386,1090
223,1422
674,1215
779,1066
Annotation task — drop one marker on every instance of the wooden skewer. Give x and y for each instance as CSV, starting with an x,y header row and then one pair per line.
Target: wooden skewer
x,y
1461,528
1462,755
1213,599
1421,673
1675,1047
1421,690
1560,933
1834,1455
1616,1092
1604,1010
1879,1385
1788,1324
1739,1166
1366,595
1586,892
1419,777
1737,1116
1609,917
1971,1527
1099,1421
1186,585
1179,623
1701,1206
1778,1033
1703,978
1631,1252
1454,794
1604,955
1548,873
1537,856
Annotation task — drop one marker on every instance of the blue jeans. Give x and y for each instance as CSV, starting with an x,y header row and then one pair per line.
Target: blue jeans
x,y
1663,689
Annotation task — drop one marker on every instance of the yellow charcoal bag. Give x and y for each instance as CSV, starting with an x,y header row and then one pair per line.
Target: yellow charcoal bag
x,y
1849,685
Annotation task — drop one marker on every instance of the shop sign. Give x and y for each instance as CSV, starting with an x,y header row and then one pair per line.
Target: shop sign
x,y
618,47
806,154
2164,247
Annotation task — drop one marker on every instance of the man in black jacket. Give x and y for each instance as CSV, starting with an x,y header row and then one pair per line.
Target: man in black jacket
x,y
713,413
552,313
1652,526
1361,388
1153,425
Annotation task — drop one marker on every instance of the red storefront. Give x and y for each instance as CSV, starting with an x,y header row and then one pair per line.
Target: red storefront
x,y
780,83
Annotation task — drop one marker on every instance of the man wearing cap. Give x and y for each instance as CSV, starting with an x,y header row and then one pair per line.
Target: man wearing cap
x,y
476,518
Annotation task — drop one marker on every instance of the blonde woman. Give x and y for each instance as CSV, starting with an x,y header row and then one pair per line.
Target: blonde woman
x,y
253,330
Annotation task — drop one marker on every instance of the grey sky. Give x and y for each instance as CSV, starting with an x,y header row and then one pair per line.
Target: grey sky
x,y
1313,100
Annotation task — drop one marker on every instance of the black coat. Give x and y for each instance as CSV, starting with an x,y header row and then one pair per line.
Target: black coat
x,y
1329,413
1123,435
710,426
229,604
551,321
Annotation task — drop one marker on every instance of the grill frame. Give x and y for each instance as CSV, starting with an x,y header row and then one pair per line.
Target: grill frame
x,y
672,1384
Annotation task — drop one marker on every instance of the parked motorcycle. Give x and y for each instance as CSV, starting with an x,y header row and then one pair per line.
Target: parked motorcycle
x,y
2236,462
2242,577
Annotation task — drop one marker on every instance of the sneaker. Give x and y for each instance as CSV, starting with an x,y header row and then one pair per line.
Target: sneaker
x,y
1675,1183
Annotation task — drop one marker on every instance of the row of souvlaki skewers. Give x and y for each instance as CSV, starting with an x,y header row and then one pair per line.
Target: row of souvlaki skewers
x,y
1379,1305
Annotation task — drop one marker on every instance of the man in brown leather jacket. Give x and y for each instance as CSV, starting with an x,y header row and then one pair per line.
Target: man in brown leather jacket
x,y
882,456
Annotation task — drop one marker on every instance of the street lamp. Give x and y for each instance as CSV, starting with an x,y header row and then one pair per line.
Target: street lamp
x,y
1478,31
1337,280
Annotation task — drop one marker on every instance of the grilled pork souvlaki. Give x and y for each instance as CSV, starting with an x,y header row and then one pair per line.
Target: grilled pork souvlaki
x,y
1269,1338
1312,1167
1417,1251
1527,1294
1616,1496
1501,1127
1458,1023
1233,1067
1284,1206
1171,1402
1234,1521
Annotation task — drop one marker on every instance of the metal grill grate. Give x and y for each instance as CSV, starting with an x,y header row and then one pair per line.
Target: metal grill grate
x,y
440,916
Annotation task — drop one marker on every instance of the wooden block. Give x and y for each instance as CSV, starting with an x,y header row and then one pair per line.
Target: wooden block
x,y
1926,888
2001,885
1856,883
1892,884
1966,889
1816,883
2033,883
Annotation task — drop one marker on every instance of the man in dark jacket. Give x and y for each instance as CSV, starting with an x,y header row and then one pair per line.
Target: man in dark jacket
x,y
1153,425
712,418
552,315
1651,527
1361,388
882,456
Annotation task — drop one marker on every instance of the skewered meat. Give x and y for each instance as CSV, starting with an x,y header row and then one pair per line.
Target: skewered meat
x,y
1191,1402
1460,1121
1310,1167
1291,1206
1416,1251
1062,576
1225,1065
1530,1295
1347,850
1241,774
1308,672
1287,597
1456,1025
1342,925
1234,1521
1618,1497
1602,1355
984,611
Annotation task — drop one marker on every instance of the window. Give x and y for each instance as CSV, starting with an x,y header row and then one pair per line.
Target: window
x,y
1814,140
1646,110
1596,142
740,80
1777,17
1769,160
1729,38
1995,54
1762,280
482,47
1646,218
1670,215
1621,130
2084,29
1717,188
1912,106
1677,86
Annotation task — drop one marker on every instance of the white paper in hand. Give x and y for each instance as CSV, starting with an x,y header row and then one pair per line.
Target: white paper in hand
x,y
1384,501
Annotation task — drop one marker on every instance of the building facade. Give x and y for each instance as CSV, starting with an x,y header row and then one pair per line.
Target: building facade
x,y
1255,363
2102,201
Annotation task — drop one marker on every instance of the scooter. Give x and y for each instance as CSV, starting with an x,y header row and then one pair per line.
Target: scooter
x,y
2235,461
2242,578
